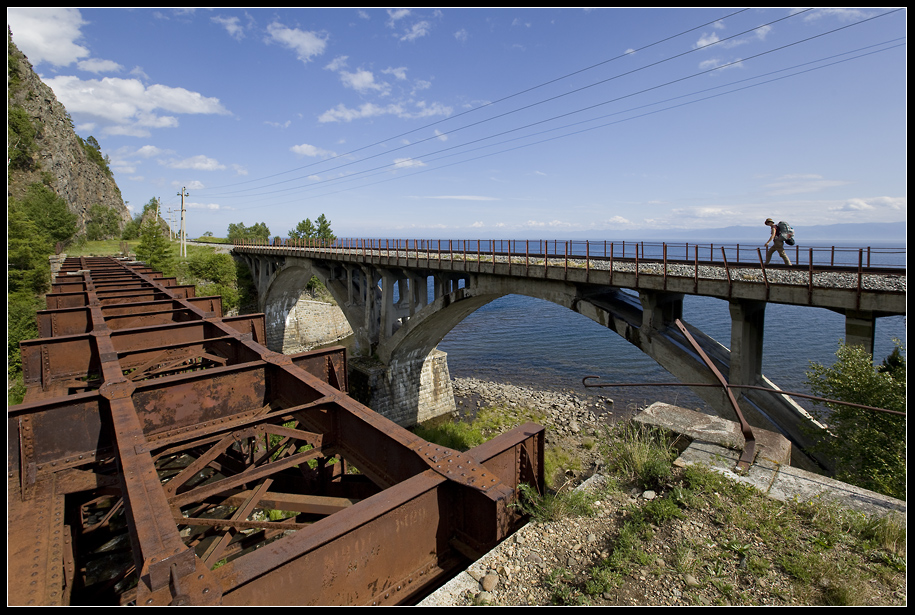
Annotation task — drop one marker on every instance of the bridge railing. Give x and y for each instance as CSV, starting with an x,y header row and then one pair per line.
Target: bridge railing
x,y
723,254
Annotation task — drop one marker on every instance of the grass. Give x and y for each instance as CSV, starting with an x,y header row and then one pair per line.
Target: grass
x,y
752,549
490,422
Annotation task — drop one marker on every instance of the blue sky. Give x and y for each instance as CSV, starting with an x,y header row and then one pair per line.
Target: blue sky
x,y
488,123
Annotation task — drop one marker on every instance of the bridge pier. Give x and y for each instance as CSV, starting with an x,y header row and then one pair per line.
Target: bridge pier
x,y
860,329
659,309
747,327
408,386
409,390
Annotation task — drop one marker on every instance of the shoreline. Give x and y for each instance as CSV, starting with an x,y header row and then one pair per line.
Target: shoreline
x,y
471,393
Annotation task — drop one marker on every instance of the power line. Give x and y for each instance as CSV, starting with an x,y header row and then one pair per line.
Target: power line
x,y
388,166
525,91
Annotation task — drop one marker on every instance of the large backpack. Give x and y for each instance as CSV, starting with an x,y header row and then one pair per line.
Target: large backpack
x,y
786,232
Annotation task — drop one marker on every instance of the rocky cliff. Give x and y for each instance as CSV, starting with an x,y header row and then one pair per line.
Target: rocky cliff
x,y
43,147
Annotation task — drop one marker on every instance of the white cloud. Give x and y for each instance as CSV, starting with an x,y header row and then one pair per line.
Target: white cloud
x,y
337,63
210,206
148,151
872,204
707,39
126,105
801,184
400,72
462,35
396,15
417,30
363,81
197,163
310,150
305,44
47,34
341,113
407,163
232,26
843,14
94,65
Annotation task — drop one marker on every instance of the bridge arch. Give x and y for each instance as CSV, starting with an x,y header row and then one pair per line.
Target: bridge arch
x,y
281,302
421,333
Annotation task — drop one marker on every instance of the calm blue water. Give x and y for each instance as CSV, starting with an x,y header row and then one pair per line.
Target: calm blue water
x,y
525,341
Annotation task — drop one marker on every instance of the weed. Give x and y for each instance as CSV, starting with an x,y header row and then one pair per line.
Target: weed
x,y
554,506
561,589
640,453
458,436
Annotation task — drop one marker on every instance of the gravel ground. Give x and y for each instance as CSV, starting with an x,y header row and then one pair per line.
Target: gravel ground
x,y
684,564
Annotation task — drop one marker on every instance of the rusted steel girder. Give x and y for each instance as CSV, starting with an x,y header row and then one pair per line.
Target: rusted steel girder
x,y
163,455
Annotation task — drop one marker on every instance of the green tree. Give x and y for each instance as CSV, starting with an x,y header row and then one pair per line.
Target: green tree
x,y
868,447
154,248
21,134
319,229
28,270
94,153
21,325
304,230
49,212
132,228
215,274
103,223
324,231
34,224
257,231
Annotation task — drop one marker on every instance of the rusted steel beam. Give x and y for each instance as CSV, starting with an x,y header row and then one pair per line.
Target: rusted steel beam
x,y
236,475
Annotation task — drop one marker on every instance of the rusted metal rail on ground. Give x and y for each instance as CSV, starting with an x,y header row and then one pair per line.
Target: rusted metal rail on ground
x,y
164,456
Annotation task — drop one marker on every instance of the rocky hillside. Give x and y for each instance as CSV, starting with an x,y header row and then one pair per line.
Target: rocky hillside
x,y
43,147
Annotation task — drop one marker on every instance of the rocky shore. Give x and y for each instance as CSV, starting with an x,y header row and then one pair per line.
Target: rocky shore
x,y
573,421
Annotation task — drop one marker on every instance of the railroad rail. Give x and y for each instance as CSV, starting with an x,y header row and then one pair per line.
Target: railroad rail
x,y
163,455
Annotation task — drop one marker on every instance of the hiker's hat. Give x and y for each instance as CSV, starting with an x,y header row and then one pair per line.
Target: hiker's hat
x,y
770,221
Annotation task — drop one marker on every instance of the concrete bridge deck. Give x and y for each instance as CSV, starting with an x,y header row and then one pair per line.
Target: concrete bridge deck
x,y
862,279
402,298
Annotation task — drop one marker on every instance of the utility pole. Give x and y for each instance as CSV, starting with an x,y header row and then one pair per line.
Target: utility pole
x,y
183,194
171,222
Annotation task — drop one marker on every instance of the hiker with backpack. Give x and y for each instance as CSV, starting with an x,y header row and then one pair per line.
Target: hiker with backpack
x,y
782,233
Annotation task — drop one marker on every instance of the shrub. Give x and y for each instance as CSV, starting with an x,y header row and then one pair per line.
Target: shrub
x,y
867,446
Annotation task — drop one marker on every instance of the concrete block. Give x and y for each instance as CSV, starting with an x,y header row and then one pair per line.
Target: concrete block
x,y
770,446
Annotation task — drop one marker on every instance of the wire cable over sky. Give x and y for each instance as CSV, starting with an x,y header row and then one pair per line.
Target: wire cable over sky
x,y
514,95
385,170
387,167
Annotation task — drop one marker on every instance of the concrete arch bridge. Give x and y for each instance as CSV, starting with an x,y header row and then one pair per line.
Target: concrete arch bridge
x,y
402,297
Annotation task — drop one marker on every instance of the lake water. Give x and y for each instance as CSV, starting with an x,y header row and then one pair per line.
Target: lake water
x,y
531,342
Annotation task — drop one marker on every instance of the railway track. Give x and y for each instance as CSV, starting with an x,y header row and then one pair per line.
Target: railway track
x,y
164,456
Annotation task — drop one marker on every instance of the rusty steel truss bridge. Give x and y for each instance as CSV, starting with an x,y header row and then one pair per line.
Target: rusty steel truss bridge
x,y
164,456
